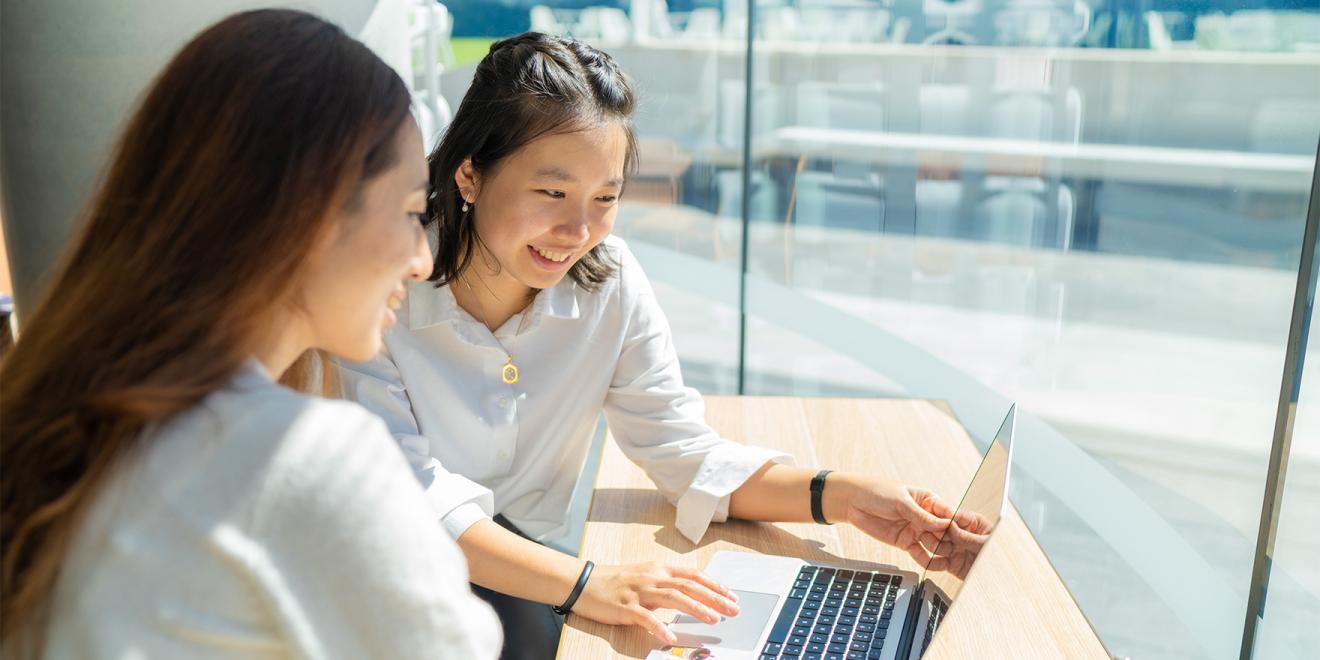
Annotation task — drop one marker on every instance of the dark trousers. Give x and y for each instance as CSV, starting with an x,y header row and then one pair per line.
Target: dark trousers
x,y
531,629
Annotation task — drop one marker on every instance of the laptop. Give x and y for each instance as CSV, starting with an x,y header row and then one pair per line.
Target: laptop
x,y
796,610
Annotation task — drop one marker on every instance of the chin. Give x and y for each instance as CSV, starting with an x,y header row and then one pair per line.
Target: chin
x,y
363,351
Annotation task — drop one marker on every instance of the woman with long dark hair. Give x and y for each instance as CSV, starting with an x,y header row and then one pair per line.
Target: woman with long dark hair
x,y
163,496
536,321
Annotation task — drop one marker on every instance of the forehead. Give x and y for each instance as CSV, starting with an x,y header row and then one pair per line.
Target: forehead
x,y
593,156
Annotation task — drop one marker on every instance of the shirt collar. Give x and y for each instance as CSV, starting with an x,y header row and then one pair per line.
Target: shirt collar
x,y
429,305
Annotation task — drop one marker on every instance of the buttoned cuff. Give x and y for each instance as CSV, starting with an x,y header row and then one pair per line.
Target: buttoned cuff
x,y
462,517
723,471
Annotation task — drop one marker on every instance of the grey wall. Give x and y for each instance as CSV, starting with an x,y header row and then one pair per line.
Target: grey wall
x,y
70,72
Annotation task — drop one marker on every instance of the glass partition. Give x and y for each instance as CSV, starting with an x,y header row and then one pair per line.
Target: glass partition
x,y
970,205
1091,208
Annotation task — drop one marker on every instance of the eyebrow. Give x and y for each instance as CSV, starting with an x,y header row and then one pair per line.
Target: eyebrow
x,y
559,174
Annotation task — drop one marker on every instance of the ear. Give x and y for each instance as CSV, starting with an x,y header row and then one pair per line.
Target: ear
x,y
467,180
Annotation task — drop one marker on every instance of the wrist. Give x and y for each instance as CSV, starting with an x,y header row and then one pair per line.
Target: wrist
x,y
837,496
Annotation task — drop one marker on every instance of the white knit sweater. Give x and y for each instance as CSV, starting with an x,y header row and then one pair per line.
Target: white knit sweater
x,y
266,524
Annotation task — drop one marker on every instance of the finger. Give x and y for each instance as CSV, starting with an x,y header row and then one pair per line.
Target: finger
x,y
703,579
652,624
677,600
702,594
932,502
914,512
966,539
920,554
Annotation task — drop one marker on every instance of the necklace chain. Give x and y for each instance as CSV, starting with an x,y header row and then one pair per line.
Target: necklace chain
x,y
509,372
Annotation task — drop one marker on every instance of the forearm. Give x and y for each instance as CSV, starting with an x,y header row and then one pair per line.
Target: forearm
x,y
781,493
502,561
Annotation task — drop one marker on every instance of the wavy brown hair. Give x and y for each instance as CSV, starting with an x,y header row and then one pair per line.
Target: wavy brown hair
x,y
232,167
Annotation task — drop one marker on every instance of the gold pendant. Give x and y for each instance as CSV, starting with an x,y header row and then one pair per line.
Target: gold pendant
x,y
510,372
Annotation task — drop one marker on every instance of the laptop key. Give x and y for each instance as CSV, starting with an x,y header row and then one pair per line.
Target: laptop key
x,y
785,620
797,641
820,638
875,654
801,630
815,648
838,648
792,651
856,655
839,638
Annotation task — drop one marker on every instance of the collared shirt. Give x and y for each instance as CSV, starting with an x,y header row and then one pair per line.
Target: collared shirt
x,y
265,524
481,446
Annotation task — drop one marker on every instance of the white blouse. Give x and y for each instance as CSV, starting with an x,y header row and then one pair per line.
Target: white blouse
x,y
266,524
480,446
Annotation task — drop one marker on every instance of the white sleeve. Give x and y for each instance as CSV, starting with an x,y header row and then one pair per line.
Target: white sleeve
x,y
377,385
660,424
348,556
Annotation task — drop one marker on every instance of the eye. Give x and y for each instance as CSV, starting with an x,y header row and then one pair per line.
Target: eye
x,y
419,217
608,199
554,194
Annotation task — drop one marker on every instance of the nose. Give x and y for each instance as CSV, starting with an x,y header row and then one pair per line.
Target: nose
x,y
420,263
576,227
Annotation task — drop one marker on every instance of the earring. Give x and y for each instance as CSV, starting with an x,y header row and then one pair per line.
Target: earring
x,y
465,206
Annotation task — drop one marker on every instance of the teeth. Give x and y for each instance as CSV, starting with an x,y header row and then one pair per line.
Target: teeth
x,y
395,301
553,256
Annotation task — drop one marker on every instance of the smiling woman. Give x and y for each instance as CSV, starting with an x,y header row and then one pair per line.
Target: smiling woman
x,y
536,321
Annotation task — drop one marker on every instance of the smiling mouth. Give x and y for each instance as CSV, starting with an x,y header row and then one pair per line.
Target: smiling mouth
x,y
553,255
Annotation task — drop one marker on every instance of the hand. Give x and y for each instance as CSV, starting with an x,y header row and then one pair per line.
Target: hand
x,y
629,595
908,518
966,536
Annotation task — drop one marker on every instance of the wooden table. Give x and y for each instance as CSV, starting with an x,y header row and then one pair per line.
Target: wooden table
x,y
1013,606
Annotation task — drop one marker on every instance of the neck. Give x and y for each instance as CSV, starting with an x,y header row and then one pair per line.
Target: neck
x,y
490,298
278,352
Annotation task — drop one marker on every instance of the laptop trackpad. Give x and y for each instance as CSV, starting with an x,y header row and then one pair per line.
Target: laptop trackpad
x,y
737,633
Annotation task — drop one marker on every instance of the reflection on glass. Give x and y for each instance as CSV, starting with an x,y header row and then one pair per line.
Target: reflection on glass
x,y
975,518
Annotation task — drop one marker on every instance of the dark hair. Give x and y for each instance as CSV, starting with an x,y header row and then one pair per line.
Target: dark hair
x,y
201,226
526,87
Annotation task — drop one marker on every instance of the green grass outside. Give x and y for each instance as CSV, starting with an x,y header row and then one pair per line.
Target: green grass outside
x,y
469,50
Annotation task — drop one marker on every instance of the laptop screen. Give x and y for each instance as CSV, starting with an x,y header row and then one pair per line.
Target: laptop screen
x,y
976,516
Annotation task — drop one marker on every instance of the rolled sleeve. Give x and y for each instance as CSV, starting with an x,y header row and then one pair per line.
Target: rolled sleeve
x,y
660,424
725,469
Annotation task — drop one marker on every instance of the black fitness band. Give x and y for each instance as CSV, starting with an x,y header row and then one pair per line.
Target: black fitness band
x,y
817,490
577,590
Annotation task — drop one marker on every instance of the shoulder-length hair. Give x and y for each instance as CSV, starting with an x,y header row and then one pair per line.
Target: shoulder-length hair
x,y
526,87
233,165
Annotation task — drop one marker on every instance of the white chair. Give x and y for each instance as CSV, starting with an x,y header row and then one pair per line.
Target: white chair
x,y
543,20
703,24
431,28
606,25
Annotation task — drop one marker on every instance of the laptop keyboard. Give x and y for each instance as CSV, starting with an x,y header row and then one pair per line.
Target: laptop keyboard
x,y
833,614
938,609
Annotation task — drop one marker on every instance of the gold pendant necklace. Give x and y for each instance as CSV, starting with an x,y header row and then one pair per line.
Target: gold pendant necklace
x,y
509,373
